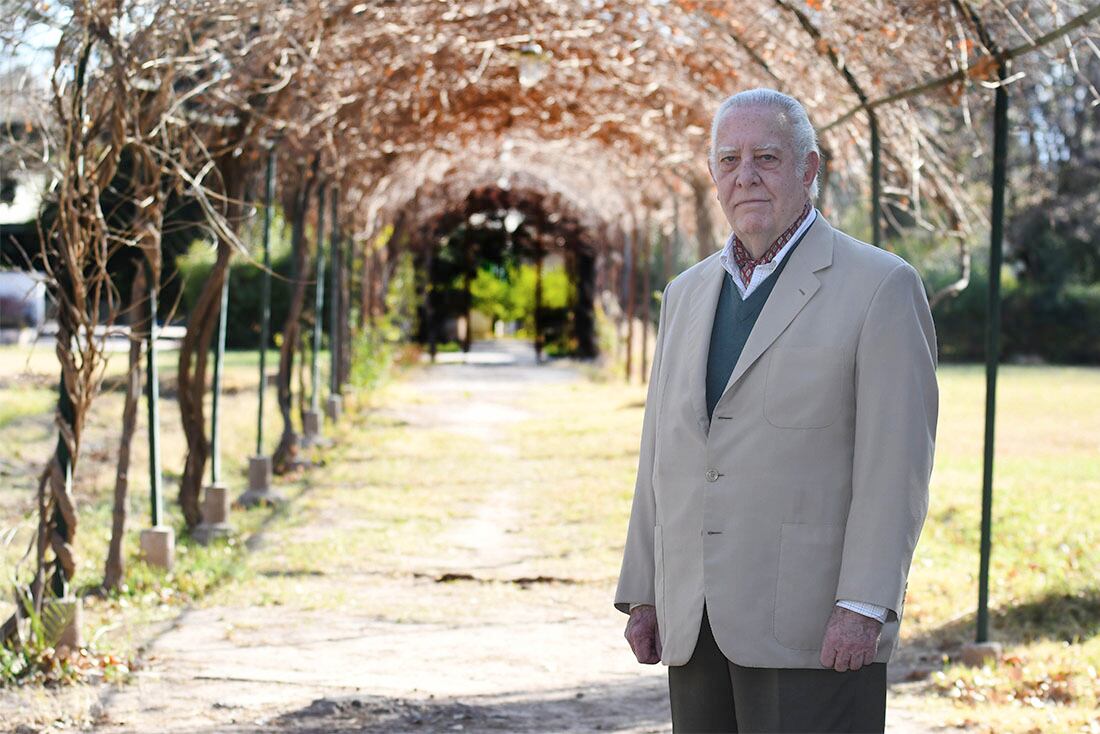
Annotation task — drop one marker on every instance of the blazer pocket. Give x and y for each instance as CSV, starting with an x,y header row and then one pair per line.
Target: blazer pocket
x,y
659,573
805,586
804,388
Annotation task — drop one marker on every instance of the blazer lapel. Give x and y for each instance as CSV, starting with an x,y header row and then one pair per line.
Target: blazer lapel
x,y
704,301
795,287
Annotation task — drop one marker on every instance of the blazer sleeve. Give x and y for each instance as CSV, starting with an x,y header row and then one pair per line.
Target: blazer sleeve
x,y
896,405
637,574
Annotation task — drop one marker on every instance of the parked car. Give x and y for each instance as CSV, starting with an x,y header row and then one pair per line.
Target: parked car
x,y
22,299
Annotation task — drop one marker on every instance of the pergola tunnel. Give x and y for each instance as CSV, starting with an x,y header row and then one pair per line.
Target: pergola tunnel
x,y
501,263
510,257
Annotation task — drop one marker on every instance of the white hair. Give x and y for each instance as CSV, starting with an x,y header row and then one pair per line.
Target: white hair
x,y
802,131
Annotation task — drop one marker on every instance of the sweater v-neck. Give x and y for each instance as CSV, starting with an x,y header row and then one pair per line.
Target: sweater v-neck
x,y
734,320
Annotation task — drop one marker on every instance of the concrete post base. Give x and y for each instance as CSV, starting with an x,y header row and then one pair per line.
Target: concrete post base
x,y
334,407
215,508
259,484
311,425
61,622
977,654
215,515
158,546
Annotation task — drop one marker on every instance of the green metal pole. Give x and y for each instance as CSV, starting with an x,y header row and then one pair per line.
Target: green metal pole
x,y
319,301
153,403
992,344
876,181
265,299
219,359
538,303
335,305
429,307
58,581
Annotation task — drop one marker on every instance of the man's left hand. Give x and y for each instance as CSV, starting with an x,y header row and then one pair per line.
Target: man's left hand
x,y
851,640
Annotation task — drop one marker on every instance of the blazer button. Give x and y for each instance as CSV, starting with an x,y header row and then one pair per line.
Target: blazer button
x,y
712,475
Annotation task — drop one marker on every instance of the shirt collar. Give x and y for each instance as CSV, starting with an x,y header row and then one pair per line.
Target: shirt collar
x,y
778,249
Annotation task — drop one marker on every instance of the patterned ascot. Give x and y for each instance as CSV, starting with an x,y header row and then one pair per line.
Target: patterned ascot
x,y
744,259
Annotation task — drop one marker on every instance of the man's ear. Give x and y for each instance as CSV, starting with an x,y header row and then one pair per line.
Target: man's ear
x,y
813,164
710,169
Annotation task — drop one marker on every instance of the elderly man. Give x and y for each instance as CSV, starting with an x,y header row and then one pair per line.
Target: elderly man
x,y
785,455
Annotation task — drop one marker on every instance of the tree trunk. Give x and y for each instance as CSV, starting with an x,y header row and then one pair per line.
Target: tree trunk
x,y
631,278
75,253
114,568
584,316
194,352
366,292
389,263
287,449
822,202
344,362
704,227
305,349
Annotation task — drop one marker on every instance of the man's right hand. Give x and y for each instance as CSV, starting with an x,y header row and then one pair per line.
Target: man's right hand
x,y
643,635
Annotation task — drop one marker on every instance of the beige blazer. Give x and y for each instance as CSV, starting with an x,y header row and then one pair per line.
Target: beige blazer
x,y
811,484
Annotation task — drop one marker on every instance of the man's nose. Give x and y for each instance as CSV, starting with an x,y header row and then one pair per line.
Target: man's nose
x,y
747,175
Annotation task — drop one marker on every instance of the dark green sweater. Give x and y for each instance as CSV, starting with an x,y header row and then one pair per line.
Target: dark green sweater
x,y
733,322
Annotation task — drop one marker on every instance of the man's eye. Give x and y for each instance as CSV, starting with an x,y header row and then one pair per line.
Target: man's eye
x,y
767,157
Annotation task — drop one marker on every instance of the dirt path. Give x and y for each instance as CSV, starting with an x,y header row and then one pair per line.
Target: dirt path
x,y
555,663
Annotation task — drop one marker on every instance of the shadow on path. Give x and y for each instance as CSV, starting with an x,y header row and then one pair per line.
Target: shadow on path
x,y
636,706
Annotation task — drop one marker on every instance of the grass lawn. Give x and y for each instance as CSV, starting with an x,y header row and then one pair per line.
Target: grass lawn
x,y
378,507
1044,589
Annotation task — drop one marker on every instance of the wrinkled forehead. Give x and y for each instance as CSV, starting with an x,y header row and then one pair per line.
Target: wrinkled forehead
x,y
754,127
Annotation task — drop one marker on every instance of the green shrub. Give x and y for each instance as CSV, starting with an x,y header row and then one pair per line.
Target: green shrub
x,y
508,294
242,326
1053,325
372,358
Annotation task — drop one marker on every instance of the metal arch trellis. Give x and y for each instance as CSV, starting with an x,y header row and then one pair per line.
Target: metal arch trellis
x,y
992,349
993,318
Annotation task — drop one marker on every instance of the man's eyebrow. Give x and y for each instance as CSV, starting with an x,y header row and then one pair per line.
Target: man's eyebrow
x,y
771,147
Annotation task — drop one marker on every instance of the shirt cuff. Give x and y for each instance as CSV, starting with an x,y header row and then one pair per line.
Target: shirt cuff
x,y
868,610
637,604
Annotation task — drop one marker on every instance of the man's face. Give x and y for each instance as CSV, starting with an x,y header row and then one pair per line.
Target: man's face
x,y
757,174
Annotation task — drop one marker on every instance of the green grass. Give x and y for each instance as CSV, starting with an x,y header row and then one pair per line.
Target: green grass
x,y
26,403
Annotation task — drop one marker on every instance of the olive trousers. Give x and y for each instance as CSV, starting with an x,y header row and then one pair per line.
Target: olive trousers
x,y
713,694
